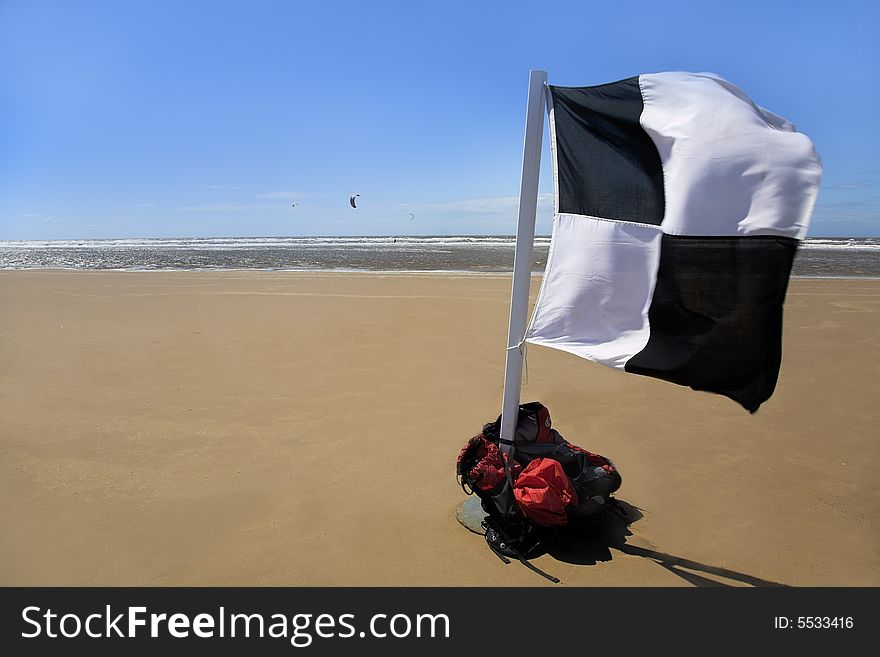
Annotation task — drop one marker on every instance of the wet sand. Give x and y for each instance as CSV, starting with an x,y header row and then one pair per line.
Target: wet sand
x,y
275,428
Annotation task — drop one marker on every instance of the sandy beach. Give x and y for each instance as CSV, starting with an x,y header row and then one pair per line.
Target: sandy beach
x,y
274,428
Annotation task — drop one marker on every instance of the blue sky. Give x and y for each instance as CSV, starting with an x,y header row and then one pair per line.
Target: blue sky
x,y
159,118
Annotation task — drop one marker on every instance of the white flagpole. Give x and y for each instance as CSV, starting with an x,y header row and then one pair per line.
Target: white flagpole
x,y
522,260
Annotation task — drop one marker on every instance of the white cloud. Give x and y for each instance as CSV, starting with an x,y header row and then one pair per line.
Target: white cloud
x,y
220,207
45,218
485,205
287,195
863,184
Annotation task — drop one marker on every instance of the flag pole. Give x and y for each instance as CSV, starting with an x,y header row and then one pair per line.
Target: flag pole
x,y
522,260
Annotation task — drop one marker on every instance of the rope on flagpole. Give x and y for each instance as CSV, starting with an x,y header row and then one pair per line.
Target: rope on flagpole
x,y
523,347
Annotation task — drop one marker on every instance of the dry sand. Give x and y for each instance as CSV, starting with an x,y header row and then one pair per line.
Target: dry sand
x,y
254,428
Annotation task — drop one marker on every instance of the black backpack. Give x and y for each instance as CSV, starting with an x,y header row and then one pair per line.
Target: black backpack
x,y
483,469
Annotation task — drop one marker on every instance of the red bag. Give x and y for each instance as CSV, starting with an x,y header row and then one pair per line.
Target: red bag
x,y
543,493
480,464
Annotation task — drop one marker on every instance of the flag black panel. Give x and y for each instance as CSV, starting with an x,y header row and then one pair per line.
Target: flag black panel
x,y
716,315
607,165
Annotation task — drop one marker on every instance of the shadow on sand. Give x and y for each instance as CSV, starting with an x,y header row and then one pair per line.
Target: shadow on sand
x,y
590,545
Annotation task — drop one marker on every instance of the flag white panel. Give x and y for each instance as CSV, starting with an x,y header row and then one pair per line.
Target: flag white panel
x,y
597,289
729,166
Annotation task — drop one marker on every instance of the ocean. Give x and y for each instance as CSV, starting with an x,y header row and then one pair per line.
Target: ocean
x,y
835,257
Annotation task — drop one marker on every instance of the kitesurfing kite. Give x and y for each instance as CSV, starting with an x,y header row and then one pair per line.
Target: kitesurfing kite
x,y
411,216
351,200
